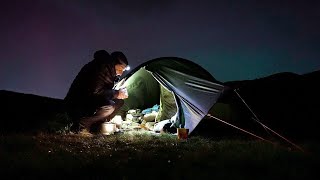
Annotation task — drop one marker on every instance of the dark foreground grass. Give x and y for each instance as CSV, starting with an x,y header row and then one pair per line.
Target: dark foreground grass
x,y
144,156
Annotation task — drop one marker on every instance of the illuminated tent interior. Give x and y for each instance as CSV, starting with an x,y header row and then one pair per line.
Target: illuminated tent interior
x,y
181,87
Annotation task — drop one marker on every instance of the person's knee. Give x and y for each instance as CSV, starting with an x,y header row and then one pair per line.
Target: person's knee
x,y
105,111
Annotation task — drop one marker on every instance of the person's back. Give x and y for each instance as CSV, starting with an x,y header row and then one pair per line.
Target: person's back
x,y
91,77
93,87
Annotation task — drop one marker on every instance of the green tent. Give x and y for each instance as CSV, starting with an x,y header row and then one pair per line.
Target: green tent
x,y
185,91
181,87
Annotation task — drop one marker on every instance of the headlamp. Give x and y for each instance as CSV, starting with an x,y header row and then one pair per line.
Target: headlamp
x,y
127,68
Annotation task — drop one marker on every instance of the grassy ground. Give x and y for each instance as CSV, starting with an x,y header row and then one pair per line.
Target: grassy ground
x,y
145,156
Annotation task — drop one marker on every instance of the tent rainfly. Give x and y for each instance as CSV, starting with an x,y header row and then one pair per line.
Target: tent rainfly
x,y
194,89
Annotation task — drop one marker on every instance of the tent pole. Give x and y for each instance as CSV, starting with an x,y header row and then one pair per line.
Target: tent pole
x,y
266,127
256,118
241,129
247,105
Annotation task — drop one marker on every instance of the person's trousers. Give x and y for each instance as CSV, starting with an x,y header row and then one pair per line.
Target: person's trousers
x,y
102,114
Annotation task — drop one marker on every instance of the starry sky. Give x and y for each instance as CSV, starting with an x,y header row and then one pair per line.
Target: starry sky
x,y
44,43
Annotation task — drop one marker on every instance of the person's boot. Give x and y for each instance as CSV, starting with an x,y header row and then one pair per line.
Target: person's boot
x,y
74,129
83,131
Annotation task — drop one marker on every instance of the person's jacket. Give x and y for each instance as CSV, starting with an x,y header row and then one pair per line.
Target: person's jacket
x,y
94,83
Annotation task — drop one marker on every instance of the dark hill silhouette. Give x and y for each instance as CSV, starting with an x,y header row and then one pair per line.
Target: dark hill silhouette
x,y
27,112
286,102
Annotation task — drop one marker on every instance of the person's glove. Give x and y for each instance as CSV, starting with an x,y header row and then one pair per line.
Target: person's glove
x,y
123,93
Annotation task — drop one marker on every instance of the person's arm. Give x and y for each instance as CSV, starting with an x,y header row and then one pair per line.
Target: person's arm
x,y
115,94
123,94
110,94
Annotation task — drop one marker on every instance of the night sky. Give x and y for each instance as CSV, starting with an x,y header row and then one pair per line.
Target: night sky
x,y
44,43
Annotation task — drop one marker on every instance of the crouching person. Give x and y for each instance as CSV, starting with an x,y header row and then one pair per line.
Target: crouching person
x,y
91,99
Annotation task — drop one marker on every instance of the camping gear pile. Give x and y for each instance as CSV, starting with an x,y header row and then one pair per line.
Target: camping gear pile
x,y
136,119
